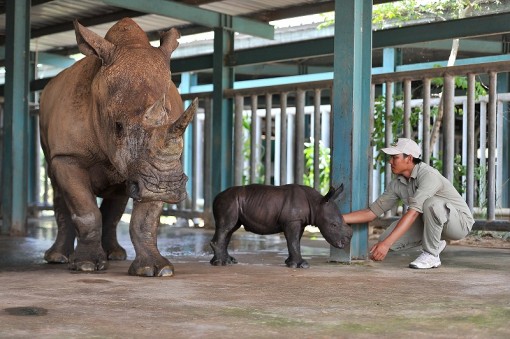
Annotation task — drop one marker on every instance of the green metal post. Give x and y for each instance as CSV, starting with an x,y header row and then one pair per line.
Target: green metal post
x,y
223,78
15,150
188,80
350,120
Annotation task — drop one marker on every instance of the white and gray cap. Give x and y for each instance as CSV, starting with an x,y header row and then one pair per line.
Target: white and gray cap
x,y
405,146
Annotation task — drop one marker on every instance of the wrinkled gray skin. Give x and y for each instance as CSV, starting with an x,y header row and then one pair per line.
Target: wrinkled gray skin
x,y
264,209
111,127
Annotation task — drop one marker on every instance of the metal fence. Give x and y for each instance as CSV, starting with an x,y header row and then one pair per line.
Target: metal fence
x,y
480,131
281,134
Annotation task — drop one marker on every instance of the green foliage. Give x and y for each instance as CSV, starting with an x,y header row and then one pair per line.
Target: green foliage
x,y
459,171
399,12
396,121
408,10
308,176
247,124
324,168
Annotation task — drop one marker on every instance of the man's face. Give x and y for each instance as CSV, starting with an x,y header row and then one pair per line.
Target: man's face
x,y
400,164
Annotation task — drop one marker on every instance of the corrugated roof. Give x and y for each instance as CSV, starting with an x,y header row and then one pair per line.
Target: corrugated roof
x,y
52,29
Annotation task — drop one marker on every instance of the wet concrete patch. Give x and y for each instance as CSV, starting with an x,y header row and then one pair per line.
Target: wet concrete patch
x,y
94,281
26,311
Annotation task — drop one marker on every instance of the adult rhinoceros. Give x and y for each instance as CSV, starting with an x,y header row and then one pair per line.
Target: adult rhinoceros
x,y
111,127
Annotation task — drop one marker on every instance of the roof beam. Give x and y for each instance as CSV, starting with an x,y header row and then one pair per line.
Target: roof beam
x,y
441,30
197,15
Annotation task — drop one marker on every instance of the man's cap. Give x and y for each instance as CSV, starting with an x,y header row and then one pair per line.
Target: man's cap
x,y
404,145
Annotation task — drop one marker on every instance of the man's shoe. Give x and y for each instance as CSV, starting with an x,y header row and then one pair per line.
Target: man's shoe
x,y
427,260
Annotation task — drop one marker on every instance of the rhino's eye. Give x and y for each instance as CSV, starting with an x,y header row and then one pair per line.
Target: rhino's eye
x,y
119,129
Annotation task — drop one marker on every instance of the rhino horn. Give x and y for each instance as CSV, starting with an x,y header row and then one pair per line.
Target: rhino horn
x,y
333,193
178,128
168,42
89,43
156,115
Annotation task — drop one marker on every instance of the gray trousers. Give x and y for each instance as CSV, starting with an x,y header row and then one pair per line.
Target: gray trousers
x,y
440,220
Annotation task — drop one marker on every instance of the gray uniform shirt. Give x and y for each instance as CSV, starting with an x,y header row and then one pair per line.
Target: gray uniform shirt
x,y
425,182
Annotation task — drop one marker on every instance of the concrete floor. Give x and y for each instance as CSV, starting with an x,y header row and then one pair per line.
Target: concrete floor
x,y
467,297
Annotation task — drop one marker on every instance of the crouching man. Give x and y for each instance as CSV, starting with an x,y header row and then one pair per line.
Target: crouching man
x,y
436,211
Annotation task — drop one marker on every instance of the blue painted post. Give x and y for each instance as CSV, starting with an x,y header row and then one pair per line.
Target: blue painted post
x,y
223,78
187,81
15,151
350,121
503,85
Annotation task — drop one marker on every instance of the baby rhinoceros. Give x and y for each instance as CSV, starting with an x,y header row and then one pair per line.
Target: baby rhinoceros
x,y
264,209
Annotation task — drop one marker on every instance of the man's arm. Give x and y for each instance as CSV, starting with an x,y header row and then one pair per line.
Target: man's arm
x,y
378,251
359,217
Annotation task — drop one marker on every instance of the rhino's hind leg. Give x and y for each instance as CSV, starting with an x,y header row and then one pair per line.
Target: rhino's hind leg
x,y
219,245
296,264
112,209
221,259
143,230
63,246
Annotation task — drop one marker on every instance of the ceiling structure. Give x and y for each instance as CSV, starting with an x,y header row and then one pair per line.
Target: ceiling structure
x,y
52,32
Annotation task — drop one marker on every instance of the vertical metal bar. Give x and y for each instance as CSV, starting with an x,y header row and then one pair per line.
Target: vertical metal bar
x,y
223,78
482,194
448,128
208,150
499,153
316,139
194,163
350,122
407,108
372,173
388,124
15,159
299,163
36,162
269,132
464,141
253,140
491,173
283,138
426,121
238,140
471,150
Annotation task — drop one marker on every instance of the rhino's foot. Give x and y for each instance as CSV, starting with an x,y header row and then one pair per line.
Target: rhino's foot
x,y
88,266
223,262
55,257
151,268
116,253
297,264
88,259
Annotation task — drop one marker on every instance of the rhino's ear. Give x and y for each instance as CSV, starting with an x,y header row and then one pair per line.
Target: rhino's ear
x,y
333,193
168,42
180,125
89,43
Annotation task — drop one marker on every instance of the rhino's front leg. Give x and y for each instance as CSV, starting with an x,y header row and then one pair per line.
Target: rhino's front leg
x,y
143,230
293,233
81,203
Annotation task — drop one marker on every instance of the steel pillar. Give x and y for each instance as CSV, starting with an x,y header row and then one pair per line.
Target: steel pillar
x,y
222,120
16,115
351,115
